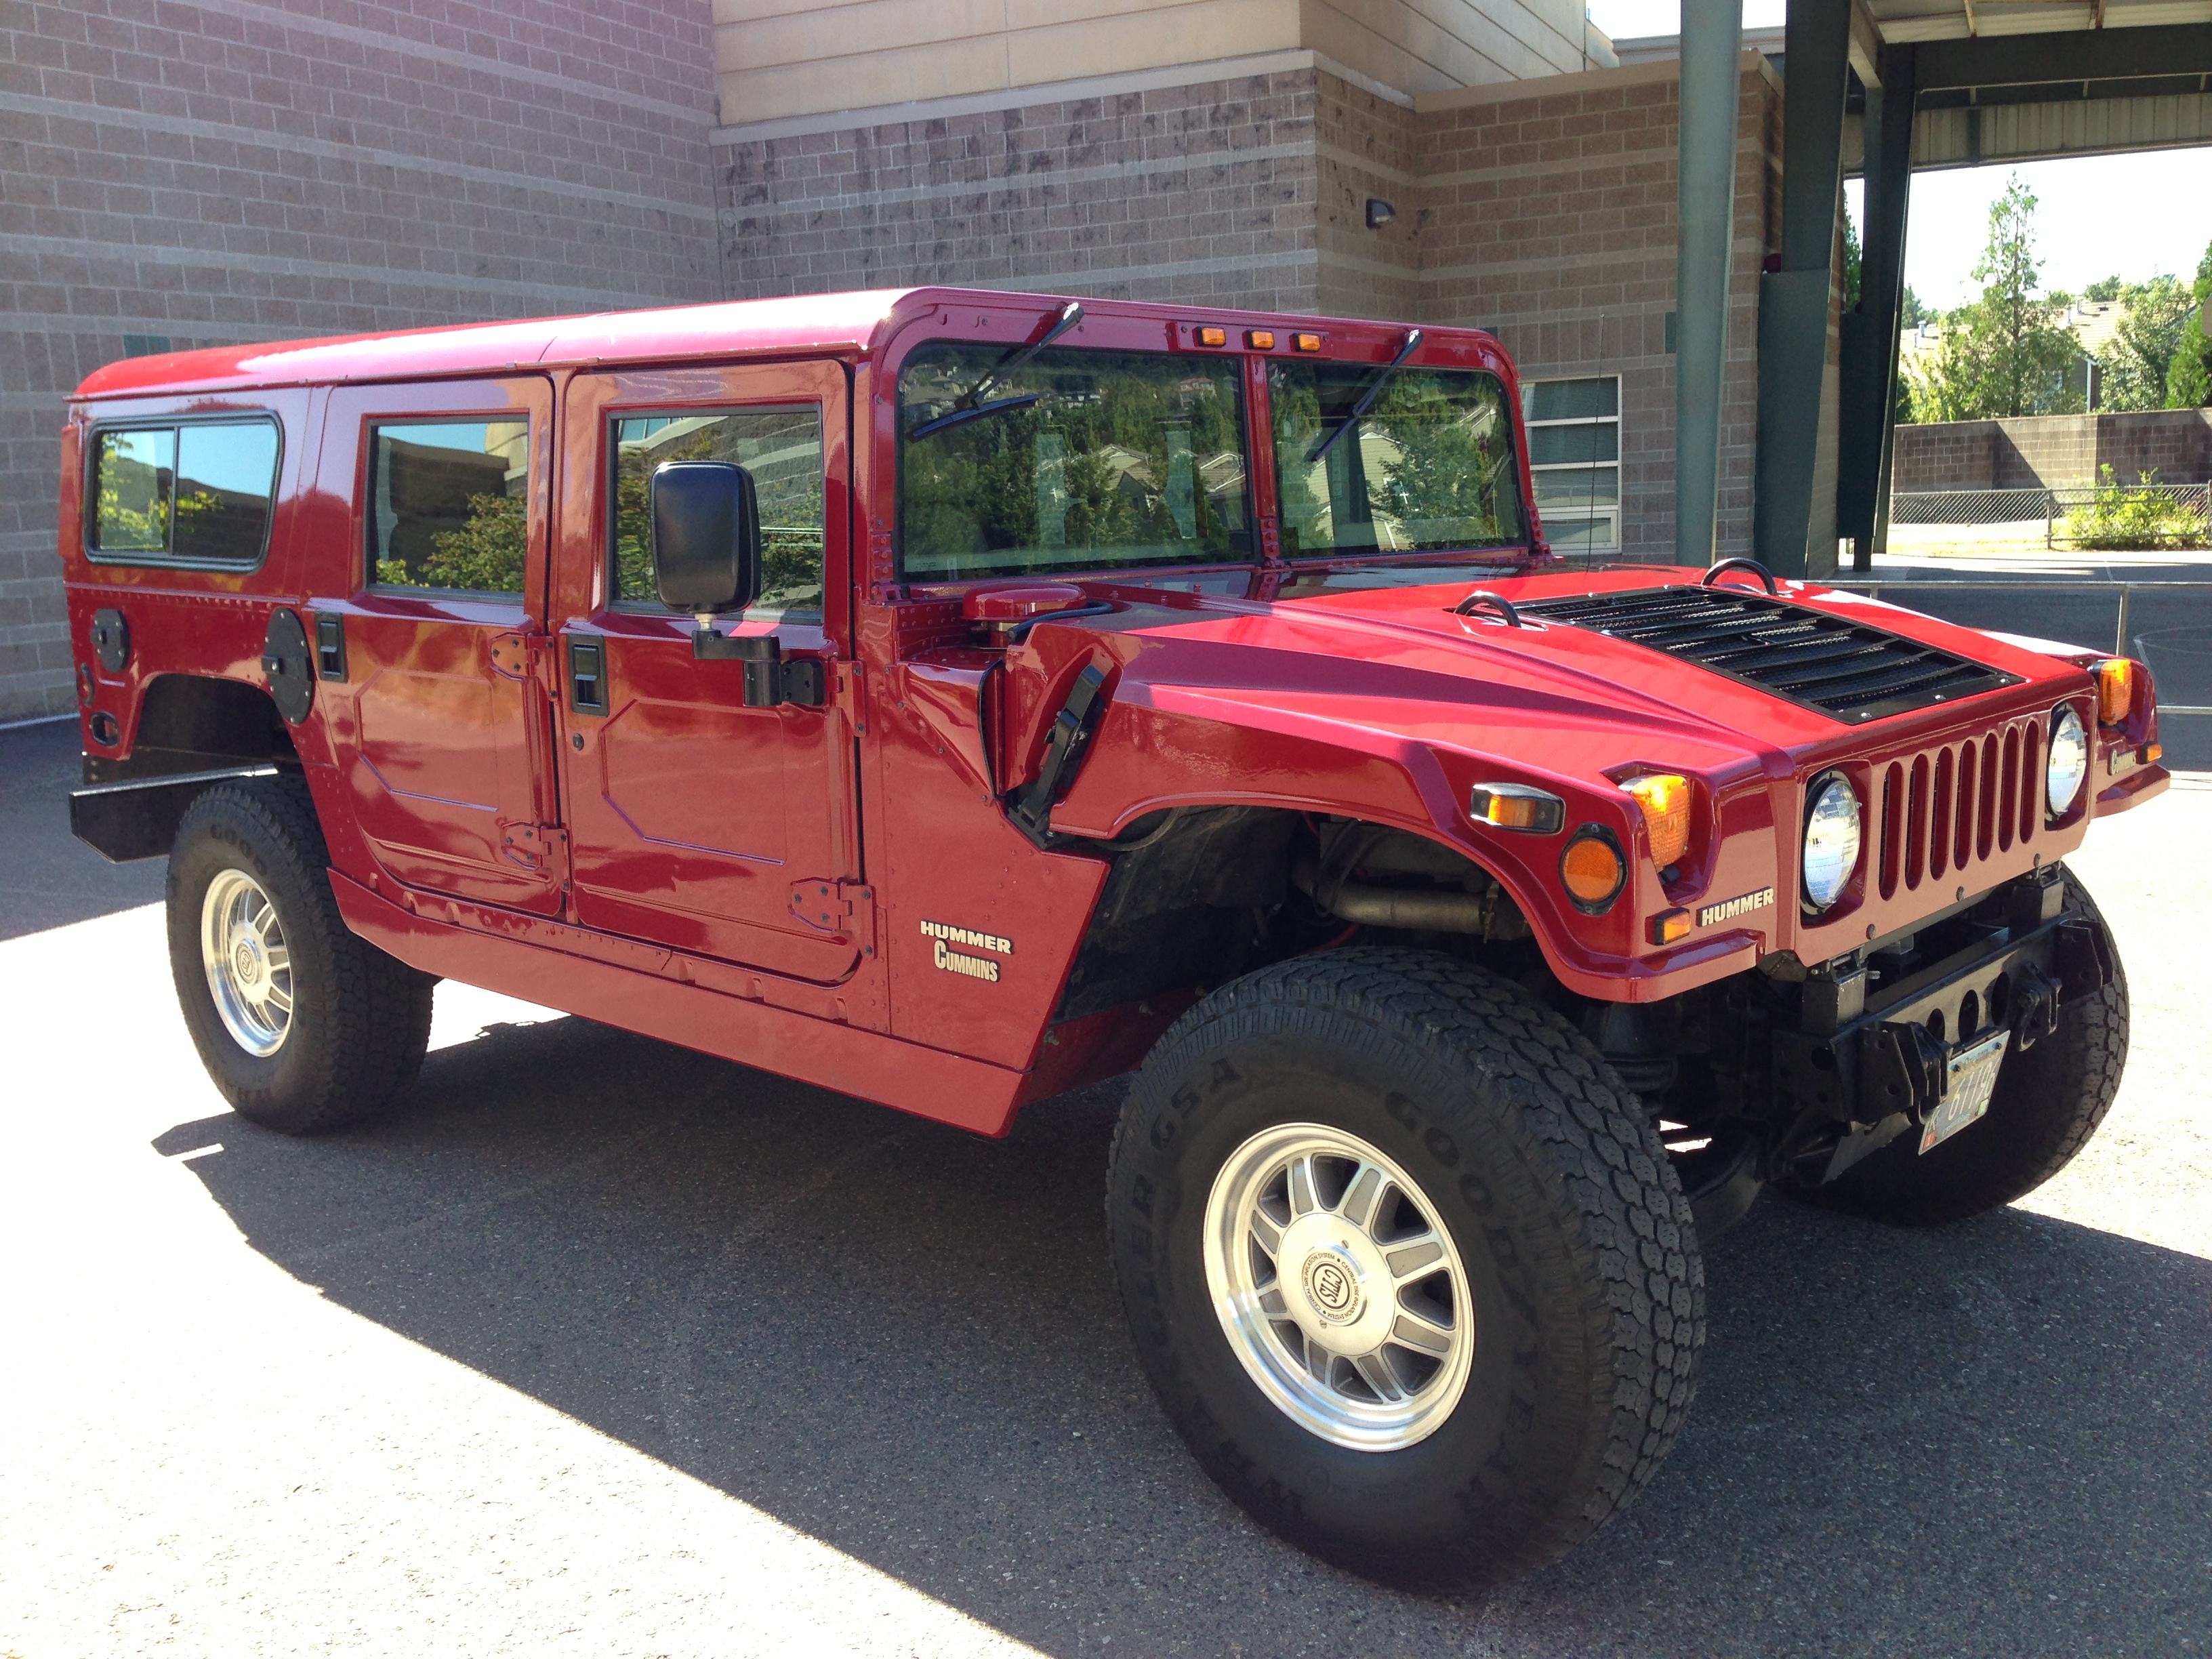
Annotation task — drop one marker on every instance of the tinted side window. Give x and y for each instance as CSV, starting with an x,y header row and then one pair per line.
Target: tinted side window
x,y
781,447
449,504
198,494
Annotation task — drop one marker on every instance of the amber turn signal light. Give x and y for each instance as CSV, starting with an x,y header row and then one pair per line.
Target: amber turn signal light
x,y
1591,870
2116,691
1665,800
1517,806
1668,925
1213,337
1261,339
1306,342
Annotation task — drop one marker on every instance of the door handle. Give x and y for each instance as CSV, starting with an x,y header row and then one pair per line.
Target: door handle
x,y
330,646
587,676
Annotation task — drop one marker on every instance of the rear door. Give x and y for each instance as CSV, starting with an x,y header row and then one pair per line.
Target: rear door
x,y
443,492
694,821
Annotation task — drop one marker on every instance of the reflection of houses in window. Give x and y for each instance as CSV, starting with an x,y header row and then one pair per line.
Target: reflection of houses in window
x,y
1574,458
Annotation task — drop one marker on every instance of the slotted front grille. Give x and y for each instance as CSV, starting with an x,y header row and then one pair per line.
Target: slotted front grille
x,y
1945,812
1849,671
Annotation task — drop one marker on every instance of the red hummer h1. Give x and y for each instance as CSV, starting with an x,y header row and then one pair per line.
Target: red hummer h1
x,y
951,698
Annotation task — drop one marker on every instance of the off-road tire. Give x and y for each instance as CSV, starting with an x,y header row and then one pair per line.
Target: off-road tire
x,y
2048,1101
360,1020
1581,1257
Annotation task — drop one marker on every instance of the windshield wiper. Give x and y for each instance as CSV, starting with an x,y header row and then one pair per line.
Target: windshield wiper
x,y
968,406
1405,349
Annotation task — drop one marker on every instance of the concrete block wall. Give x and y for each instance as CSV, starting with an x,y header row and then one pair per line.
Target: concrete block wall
x,y
1203,192
2055,451
1550,220
210,171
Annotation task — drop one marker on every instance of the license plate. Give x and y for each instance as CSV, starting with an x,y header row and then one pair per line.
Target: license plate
x,y
1972,1080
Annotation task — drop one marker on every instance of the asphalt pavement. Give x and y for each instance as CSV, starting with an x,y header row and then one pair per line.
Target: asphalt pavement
x,y
598,1347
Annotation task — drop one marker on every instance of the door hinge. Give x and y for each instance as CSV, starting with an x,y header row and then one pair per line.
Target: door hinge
x,y
846,909
520,656
534,846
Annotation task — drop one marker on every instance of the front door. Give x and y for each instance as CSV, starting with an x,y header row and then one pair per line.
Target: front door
x,y
442,732
696,821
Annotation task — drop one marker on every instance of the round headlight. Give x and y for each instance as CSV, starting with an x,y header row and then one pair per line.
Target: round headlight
x,y
1831,842
2069,760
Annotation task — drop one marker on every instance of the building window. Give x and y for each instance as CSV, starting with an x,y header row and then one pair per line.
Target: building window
x,y
1574,456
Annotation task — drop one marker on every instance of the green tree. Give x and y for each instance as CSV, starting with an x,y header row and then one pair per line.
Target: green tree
x,y
1911,313
2189,375
483,555
2136,362
2003,353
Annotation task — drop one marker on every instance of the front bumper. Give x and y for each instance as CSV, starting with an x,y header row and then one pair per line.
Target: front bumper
x,y
1869,1059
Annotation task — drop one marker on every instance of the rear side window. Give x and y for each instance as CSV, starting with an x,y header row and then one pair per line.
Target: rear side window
x,y
197,493
449,504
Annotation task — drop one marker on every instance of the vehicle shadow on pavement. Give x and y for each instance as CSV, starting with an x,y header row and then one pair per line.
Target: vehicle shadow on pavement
x,y
52,878
905,1341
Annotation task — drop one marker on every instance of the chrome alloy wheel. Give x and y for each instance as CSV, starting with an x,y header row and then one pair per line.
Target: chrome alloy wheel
x,y
1338,1288
249,965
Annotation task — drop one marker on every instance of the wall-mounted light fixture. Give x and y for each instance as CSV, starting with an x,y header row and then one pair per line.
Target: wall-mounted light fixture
x,y
1379,213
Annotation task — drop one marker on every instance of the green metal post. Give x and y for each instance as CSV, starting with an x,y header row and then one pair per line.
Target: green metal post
x,y
1712,36
1793,301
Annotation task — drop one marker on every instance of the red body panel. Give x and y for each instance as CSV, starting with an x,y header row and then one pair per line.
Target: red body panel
x,y
785,886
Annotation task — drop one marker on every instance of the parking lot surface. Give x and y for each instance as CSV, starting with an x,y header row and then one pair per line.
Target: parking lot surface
x,y
600,1346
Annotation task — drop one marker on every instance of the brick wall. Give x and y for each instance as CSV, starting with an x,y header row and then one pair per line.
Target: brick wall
x,y
1201,192
2055,451
1549,218
1544,211
215,171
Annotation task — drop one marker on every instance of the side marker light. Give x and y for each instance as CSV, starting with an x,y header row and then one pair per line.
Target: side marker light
x,y
1213,336
2152,753
1517,806
1668,925
1665,800
2116,691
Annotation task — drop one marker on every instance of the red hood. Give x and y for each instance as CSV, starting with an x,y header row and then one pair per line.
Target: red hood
x,y
1383,704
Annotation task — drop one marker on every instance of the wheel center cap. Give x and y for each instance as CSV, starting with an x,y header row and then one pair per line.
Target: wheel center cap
x,y
1331,1279
247,960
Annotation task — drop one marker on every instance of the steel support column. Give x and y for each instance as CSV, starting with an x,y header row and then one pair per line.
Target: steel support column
x,y
1712,37
1870,333
1793,302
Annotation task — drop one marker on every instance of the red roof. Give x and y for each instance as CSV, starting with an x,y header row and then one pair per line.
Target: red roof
x,y
812,322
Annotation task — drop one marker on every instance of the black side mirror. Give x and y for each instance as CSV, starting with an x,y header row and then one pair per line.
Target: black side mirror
x,y
706,536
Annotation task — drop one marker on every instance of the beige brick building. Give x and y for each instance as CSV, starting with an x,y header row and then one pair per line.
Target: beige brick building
x,y
183,173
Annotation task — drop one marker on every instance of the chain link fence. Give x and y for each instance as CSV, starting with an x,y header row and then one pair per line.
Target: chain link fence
x,y
1973,507
2111,517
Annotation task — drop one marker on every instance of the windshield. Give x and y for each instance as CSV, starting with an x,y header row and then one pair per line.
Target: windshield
x,y
1126,459
1430,467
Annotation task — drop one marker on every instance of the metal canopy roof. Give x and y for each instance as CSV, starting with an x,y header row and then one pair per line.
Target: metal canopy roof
x,y
1902,21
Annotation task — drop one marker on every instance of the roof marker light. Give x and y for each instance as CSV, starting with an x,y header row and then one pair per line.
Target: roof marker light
x,y
1213,336
1306,342
1259,339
